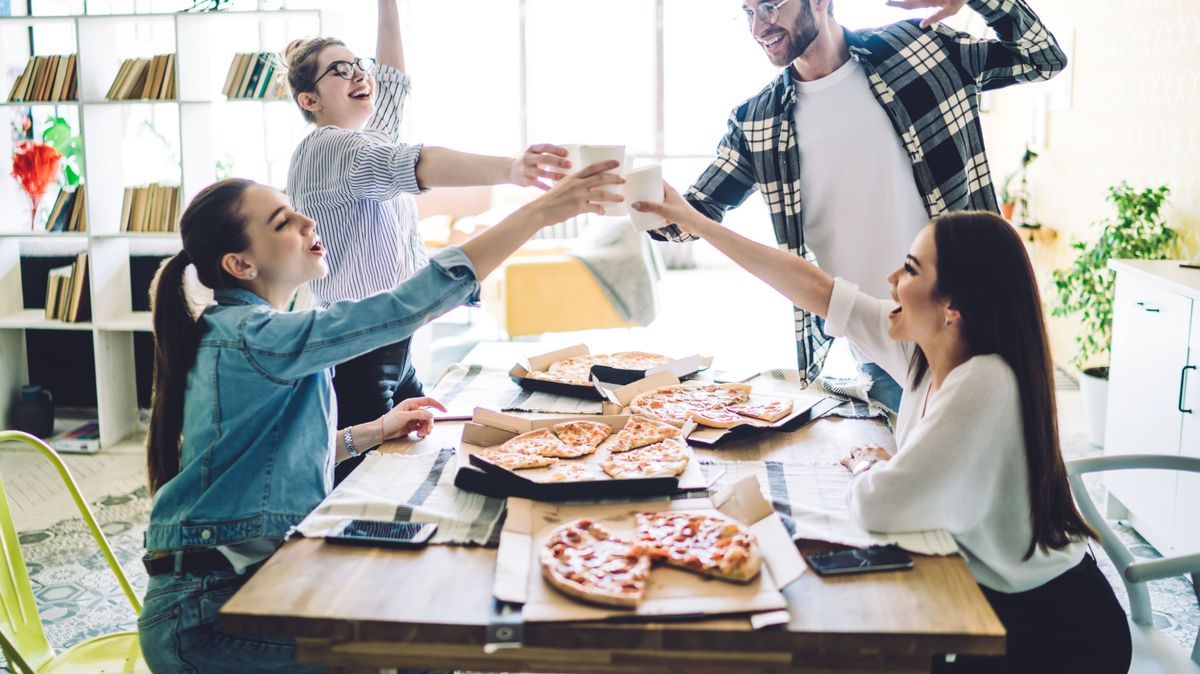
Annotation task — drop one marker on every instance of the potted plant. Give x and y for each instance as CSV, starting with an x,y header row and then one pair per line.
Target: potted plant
x,y
1138,232
1015,189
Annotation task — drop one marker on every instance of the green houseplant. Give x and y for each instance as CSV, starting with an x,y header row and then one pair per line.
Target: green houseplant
x,y
1137,232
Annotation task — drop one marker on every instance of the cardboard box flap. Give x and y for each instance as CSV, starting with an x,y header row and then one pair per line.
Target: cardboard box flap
x,y
683,366
622,395
514,557
743,501
544,361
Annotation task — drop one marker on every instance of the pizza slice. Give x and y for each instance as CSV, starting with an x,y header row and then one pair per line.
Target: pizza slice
x,y
717,417
770,411
582,560
540,441
572,472
706,543
668,458
580,438
640,431
516,460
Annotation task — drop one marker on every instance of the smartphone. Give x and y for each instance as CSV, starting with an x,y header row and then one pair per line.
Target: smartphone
x,y
859,560
382,534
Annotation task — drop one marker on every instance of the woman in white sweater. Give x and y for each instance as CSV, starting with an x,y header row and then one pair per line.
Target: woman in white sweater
x,y
977,436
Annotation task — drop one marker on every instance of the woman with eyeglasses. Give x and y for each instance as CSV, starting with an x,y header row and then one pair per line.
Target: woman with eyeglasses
x,y
353,175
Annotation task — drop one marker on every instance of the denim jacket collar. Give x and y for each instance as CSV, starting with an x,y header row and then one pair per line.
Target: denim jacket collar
x,y
239,297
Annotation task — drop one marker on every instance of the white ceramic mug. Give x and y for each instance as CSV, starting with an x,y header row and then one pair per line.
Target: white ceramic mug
x,y
644,184
592,154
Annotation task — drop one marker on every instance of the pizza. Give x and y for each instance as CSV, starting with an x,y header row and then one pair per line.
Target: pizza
x,y
582,560
675,403
770,411
662,459
640,431
717,417
572,472
516,460
704,543
540,441
578,370
580,438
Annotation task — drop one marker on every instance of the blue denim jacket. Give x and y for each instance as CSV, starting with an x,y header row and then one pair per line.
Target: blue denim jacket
x,y
259,412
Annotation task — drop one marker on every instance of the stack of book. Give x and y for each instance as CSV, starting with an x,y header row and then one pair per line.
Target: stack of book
x,y
152,78
46,79
152,208
256,75
69,213
67,292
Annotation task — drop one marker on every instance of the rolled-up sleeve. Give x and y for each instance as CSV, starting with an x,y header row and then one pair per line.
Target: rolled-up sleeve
x,y
864,321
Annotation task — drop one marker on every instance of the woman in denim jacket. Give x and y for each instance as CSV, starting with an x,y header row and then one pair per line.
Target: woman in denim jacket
x,y
243,436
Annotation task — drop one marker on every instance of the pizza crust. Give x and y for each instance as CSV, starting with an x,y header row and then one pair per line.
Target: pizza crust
x,y
516,460
769,412
582,560
668,458
640,431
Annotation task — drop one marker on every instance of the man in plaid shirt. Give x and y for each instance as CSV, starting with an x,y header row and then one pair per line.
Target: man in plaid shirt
x,y
865,136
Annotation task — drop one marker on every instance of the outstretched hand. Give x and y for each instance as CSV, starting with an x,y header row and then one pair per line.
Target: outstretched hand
x,y
582,192
410,416
676,210
945,8
527,170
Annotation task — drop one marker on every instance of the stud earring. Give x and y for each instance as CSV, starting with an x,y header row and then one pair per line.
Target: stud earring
x,y
254,274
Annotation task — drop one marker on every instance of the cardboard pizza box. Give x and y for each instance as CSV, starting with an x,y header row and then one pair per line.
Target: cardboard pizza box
x,y
806,407
681,368
670,593
488,429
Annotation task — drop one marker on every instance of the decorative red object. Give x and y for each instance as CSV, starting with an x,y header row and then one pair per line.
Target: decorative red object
x,y
35,166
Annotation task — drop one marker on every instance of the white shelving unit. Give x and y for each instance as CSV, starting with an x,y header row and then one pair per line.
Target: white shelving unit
x,y
196,129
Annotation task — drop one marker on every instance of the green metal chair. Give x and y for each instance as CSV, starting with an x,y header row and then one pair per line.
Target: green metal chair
x,y
1152,650
22,639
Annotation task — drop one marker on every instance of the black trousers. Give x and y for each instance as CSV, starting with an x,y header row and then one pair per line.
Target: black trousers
x,y
1071,624
368,387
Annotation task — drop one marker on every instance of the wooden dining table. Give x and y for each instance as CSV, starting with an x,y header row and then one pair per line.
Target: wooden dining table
x,y
356,609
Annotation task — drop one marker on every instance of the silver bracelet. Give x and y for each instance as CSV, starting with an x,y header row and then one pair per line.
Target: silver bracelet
x,y
350,448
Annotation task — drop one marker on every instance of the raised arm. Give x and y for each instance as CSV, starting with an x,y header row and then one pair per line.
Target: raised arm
x,y
800,281
443,167
1024,50
389,49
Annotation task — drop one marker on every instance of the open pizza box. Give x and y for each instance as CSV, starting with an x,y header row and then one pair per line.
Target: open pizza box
x,y
670,593
488,429
681,368
805,407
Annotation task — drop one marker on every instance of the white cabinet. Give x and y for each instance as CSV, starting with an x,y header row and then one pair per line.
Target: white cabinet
x,y
1152,407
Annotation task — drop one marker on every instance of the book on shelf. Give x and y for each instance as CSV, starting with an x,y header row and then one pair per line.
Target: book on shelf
x,y
67,292
83,438
144,79
150,208
68,214
46,79
254,75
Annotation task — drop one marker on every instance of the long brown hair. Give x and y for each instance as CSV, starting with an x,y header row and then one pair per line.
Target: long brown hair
x,y
984,270
302,57
211,226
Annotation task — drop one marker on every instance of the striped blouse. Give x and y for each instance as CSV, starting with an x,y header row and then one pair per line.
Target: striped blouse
x,y
358,186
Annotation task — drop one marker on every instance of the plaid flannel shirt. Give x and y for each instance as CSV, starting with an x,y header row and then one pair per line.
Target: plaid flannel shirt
x,y
928,81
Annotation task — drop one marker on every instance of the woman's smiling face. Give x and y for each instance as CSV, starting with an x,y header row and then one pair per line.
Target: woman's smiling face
x,y
921,313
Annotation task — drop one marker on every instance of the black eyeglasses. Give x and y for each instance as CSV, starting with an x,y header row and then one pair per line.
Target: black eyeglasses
x,y
345,69
767,12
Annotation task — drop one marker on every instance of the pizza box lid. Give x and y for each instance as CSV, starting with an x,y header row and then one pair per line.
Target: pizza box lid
x,y
488,428
682,367
670,592
618,398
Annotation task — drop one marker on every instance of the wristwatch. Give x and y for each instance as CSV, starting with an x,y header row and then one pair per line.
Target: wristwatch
x,y
863,466
350,448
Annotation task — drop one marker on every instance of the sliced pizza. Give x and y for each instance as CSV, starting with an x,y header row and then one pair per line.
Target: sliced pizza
x,y
640,431
582,560
541,441
516,460
769,411
580,438
705,543
717,417
572,472
662,459
675,404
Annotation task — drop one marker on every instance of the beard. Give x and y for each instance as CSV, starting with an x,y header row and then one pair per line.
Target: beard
x,y
802,33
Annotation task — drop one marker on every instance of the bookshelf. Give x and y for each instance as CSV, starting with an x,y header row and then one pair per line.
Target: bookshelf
x,y
191,135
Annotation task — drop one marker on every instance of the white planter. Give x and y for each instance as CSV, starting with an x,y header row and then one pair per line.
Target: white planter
x,y
1095,403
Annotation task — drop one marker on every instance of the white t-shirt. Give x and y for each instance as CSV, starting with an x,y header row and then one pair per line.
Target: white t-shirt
x,y
961,466
861,204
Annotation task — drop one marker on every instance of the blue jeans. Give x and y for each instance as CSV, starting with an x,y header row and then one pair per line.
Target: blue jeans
x,y
178,632
885,390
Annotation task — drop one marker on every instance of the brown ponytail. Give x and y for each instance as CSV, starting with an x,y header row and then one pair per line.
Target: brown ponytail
x,y
302,58
211,226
